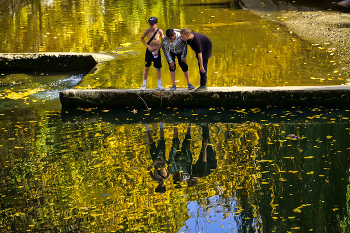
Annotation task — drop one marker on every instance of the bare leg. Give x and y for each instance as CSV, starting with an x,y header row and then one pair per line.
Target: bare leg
x,y
189,129
187,76
172,75
145,73
149,137
161,133
159,74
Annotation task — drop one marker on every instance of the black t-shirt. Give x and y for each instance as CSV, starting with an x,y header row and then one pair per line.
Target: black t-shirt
x,y
201,44
202,169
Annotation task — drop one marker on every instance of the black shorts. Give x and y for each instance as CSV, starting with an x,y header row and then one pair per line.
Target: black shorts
x,y
183,65
160,149
157,62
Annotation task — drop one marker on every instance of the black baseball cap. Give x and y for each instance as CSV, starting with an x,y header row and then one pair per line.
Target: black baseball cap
x,y
152,20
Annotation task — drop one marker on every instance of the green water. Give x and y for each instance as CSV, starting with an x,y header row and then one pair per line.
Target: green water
x,y
85,170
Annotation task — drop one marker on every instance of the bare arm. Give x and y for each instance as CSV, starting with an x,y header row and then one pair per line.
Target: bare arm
x,y
184,53
200,61
161,43
205,144
153,165
144,42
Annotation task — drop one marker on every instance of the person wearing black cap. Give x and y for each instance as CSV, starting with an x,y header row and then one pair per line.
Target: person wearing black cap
x,y
153,45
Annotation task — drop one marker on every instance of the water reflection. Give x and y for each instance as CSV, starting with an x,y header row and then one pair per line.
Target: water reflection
x,y
94,175
206,162
158,157
88,170
180,157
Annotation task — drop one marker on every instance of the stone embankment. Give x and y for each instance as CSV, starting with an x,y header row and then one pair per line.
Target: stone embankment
x,y
327,25
215,96
20,62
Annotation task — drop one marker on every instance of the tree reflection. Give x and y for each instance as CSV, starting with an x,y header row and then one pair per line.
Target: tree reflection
x,y
94,175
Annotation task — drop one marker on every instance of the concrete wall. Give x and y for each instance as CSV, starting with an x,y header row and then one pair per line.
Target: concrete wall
x,y
215,96
20,62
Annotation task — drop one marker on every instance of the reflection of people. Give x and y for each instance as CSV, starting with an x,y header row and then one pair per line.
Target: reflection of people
x,y
173,46
180,160
202,45
206,162
152,52
159,163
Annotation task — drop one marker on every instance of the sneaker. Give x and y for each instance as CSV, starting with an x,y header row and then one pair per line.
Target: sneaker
x,y
173,88
190,86
160,87
143,87
202,88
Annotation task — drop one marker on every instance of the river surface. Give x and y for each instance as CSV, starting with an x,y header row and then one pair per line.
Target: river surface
x,y
89,170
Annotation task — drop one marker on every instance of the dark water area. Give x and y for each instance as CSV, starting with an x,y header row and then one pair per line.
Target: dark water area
x,y
90,170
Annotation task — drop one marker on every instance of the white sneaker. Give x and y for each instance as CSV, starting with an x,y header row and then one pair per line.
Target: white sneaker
x,y
143,87
160,87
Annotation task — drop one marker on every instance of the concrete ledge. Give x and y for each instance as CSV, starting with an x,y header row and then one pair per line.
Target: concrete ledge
x,y
215,96
51,61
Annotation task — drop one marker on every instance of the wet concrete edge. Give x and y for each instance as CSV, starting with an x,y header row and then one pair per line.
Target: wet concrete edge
x,y
21,62
335,96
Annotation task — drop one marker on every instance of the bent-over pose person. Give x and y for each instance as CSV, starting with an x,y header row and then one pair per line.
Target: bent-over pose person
x,y
174,47
202,45
180,158
206,162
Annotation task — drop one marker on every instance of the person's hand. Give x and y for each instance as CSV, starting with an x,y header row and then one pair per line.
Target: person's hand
x,y
184,60
172,65
155,53
150,48
202,69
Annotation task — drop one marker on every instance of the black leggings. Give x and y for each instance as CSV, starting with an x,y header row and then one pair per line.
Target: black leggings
x,y
203,81
183,65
